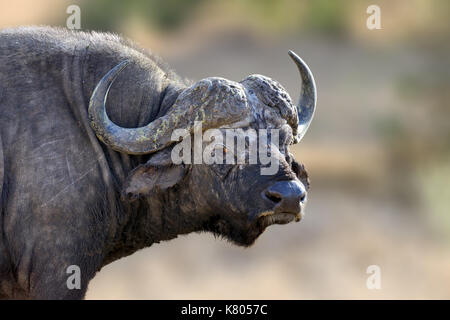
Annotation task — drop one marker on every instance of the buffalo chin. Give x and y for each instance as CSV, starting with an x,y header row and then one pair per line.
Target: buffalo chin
x,y
241,234
245,234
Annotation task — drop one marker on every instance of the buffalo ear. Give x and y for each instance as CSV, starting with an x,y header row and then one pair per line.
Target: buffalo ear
x,y
301,173
148,177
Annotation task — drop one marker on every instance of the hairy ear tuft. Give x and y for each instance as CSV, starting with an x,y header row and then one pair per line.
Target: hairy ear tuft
x,y
301,173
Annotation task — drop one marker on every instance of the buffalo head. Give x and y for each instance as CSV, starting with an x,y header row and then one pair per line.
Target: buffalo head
x,y
229,198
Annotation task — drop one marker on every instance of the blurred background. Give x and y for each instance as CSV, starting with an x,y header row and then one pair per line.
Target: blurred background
x,y
378,150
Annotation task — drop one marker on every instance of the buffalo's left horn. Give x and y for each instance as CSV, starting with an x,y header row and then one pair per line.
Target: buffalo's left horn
x,y
308,97
213,102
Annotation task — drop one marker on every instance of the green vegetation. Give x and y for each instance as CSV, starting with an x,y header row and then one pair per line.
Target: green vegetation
x,y
160,14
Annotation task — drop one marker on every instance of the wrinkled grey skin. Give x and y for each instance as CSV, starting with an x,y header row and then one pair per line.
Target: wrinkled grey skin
x,y
69,199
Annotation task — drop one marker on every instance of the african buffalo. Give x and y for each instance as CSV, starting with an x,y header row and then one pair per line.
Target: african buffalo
x,y
86,170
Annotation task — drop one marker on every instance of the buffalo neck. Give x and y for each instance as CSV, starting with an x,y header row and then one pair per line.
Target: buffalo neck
x,y
160,217
138,97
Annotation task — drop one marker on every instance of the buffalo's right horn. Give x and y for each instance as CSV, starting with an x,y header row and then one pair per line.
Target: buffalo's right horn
x,y
308,97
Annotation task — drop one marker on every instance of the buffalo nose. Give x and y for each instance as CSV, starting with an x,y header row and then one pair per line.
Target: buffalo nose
x,y
287,196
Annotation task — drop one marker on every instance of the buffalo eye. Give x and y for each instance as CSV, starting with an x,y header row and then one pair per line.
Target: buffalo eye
x,y
222,170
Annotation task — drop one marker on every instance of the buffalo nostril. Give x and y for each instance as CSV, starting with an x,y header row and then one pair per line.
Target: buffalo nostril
x,y
303,197
287,196
273,196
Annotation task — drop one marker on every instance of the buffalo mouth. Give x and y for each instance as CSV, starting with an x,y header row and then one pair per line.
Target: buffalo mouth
x,y
269,218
